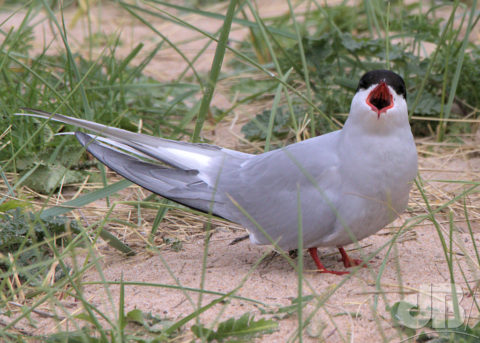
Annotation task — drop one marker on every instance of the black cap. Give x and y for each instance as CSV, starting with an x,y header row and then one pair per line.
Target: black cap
x,y
389,77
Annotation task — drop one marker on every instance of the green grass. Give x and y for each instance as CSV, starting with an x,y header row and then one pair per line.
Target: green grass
x,y
307,60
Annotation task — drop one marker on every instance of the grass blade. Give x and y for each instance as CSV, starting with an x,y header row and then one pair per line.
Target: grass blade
x,y
215,70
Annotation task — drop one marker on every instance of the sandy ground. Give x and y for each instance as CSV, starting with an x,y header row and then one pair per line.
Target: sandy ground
x,y
353,312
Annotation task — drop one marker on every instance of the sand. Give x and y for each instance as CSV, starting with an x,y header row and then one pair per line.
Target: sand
x,y
348,308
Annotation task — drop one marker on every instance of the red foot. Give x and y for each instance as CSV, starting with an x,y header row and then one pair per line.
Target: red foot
x,y
320,266
348,261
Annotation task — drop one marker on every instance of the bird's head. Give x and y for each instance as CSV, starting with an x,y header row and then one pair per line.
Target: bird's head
x,y
380,100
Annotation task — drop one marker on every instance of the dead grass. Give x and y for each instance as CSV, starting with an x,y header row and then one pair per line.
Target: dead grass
x,y
417,258
443,169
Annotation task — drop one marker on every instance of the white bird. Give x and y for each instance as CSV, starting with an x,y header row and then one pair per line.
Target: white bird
x,y
348,184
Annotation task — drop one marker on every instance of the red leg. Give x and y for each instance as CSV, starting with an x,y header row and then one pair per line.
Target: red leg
x,y
320,266
348,261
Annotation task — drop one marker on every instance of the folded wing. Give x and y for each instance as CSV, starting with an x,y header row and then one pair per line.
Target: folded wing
x,y
185,172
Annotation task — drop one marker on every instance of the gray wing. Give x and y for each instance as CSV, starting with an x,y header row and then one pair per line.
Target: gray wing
x,y
268,188
180,185
205,158
191,180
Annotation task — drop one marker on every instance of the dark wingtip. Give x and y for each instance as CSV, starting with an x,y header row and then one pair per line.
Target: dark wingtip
x,y
33,110
83,138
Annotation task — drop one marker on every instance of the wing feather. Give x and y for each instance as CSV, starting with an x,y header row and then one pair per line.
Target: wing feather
x,y
183,155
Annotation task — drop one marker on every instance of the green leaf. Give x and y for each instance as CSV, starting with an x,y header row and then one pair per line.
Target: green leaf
x,y
429,104
85,199
49,177
80,336
404,313
350,43
461,334
257,128
12,204
150,322
202,332
286,311
18,224
135,316
85,316
243,328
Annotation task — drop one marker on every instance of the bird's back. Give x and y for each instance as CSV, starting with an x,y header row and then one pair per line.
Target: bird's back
x,y
271,190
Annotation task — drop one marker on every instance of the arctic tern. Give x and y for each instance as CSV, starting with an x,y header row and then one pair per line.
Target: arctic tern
x,y
346,185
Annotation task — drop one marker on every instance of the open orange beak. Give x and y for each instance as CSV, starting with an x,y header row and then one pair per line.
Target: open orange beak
x,y
380,99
